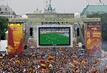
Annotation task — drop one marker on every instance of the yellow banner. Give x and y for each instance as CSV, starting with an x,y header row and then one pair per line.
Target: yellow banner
x,y
93,37
15,38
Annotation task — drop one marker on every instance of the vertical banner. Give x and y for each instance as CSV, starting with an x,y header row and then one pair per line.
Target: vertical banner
x,y
93,38
15,39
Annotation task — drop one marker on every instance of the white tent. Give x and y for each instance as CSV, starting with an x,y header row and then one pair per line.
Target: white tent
x,y
3,45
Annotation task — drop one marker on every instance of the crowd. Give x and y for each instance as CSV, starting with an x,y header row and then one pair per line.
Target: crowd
x,y
51,60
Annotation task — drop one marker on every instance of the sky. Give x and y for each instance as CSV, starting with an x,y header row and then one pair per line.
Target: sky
x,y
62,6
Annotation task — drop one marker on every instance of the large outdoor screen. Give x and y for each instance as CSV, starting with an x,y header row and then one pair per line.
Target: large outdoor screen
x,y
54,36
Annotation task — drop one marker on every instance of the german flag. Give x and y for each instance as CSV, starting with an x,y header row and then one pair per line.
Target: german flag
x,y
10,37
11,46
43,64
50,58
20,48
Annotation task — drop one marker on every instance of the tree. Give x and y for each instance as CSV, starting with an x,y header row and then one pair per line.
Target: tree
x,y
3,27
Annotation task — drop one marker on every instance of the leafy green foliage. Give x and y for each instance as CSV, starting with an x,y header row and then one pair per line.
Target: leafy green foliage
x,y
3,27
53,39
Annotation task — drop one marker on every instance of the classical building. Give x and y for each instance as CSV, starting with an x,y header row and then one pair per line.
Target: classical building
x,y
94,9
50,15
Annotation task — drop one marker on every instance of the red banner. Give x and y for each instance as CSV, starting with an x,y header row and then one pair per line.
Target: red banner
x,y
93,37
15,39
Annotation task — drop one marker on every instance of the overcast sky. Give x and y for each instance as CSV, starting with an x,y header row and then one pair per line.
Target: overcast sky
x,y
63,6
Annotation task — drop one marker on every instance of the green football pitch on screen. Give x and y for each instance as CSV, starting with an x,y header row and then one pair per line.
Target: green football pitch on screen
x,y
54,36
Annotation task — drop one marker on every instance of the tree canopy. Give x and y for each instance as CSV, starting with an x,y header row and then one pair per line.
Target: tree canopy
x,y
3,27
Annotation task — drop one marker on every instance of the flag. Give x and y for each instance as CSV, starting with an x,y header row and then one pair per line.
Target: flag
x,y
10,37
20,48
50,58
10,41
43,64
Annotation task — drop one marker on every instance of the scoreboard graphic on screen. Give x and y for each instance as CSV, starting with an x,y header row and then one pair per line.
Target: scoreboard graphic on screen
x,y
59,35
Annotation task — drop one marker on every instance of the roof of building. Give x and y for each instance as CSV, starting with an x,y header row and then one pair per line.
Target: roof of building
x,y
92,9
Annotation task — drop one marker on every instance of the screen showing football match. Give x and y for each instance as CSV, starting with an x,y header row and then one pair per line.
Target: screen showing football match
x,y
54,36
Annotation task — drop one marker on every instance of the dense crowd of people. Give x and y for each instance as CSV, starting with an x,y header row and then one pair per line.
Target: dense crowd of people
x,y
51,60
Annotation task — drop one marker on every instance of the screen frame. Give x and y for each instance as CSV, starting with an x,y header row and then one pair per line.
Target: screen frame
x,y
70,27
